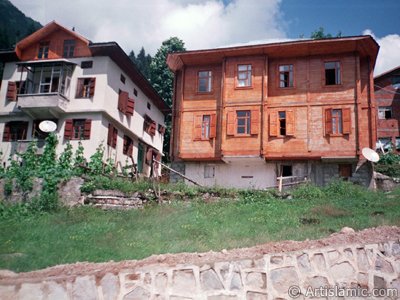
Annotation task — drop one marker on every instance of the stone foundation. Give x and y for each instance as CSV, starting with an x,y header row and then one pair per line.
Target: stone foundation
x,y
362,267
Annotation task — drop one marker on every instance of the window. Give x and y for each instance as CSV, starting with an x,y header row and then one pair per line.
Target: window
x,y
87,64
205,127
112,136
149,125
397,143
244,75
395,81
77,129
345,170
332,73
122,78
281,123
69,47
337,121
385,143
126,105
128,146
286,76
85,87
43,50
135,92
148,105
15,130
12,91
37,133
161,129
384,112
204,81
209,171
287,171
243,122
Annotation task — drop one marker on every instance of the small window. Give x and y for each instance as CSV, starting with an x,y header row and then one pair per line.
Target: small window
x,y
345,170
282,123
398,143
15,130
243,122
395,81
85,87
128,146
286,76
204,81
244,75
148,105
287,171
37,133
149,125
87,64
205,127
135,92
78,129
337,121
332,73
385,143
209,171
43,50
122,78
384,112
69,48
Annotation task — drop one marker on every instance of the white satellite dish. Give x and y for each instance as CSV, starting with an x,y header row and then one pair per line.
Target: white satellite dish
x,y
370,154
47,126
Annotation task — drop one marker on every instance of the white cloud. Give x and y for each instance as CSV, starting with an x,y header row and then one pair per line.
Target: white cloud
x,y
389,52
137,23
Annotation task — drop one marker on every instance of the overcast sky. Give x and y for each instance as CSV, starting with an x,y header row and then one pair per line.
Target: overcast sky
x,y
214,23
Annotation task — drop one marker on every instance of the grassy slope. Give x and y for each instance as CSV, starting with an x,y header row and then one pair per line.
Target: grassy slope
x,y
87,234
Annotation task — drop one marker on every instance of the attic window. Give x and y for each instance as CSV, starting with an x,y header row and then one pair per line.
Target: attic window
x,y
69,47
88,64
332,73
135,92
43,50
122,78
148,105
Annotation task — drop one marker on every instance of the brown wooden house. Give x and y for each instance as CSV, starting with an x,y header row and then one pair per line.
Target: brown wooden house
x,y
387,95
244,116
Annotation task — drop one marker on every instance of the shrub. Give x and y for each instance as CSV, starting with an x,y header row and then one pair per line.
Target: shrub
x,y
308,191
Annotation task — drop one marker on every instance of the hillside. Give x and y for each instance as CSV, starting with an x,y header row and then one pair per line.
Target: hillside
x,y
14,25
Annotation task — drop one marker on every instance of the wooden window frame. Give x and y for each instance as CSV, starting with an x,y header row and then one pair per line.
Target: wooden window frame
x,y
43,50
237,72
21,134
205,127
247,122
274,123
198,125
85,91
336,61
343,121
291,72
128,146
384,109
209,84
69,48
112,136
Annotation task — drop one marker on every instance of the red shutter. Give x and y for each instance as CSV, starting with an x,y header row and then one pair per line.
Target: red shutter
x,y
255,121
328,121
88,126
149,156
68,129
114,137
122,101
346,117
130,107
125,146
213,126
161,129
130,149
273,123
11,91
79,88
6,133
152,129
92,85
290,122
230,123
197,123
110,134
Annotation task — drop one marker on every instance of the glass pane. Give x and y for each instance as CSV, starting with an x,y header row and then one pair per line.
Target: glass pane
x,y
203,74
240,130
202,85
241,122
242,76
282,115
241,113
330,65
242,67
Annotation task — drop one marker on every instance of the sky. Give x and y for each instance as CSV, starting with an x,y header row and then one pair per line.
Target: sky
x,y
203,24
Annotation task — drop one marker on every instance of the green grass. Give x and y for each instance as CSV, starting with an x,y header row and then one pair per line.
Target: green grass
x,y
88,234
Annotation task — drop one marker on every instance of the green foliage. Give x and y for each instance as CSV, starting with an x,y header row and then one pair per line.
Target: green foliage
x,y
389,164
308,192
320,34
120,184
65,162
79,160
255,196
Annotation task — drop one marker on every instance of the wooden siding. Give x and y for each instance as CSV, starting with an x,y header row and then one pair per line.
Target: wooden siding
x,y
305,104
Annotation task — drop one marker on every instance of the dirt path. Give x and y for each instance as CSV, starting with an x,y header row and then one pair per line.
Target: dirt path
x,y
367,236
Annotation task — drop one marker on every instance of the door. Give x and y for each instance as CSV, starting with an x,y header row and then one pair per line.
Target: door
x,y
140,158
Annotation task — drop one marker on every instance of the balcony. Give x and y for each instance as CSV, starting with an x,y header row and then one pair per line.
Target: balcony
x,y
44,87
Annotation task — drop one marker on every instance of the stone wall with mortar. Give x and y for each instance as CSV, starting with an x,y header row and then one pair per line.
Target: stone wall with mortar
x,y
373,266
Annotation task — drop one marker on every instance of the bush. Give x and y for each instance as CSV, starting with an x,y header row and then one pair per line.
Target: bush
x,y
308,191
389,164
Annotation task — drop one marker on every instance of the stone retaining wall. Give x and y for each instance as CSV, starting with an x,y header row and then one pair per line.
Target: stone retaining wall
x,y
373,266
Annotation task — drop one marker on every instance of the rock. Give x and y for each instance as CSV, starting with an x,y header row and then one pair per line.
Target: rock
x,y
347,230
318,261
210,281
256,296
161,281
84,288
7,292
110,286
362,260
70,192
256,280
224,251
56,291
379,282
183,281
30,291
236,282
283,278
342,270
317,282
276,260
304,263
138,293
383,265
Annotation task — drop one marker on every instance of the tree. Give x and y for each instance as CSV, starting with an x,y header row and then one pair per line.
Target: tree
x,y
161,77
320,34
143,62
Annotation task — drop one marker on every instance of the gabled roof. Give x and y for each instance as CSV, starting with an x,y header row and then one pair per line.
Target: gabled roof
x,y
43,33
394,70
364,45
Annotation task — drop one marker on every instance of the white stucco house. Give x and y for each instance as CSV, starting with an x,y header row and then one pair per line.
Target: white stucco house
x,y
92,91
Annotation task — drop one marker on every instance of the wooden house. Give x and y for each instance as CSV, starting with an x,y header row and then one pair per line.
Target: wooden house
x,y
302,110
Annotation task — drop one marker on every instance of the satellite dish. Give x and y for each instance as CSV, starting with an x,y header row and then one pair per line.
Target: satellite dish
x,y
47,126
370,154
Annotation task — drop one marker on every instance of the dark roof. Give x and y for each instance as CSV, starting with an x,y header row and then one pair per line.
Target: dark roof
x,y
394,70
